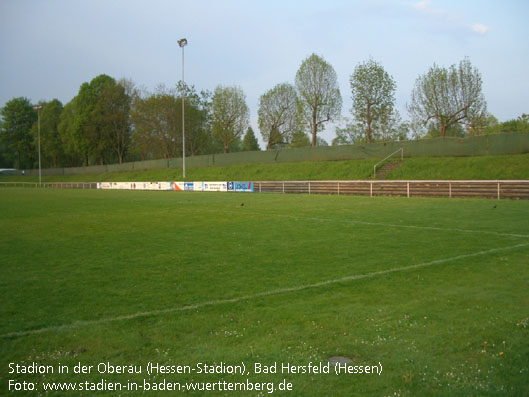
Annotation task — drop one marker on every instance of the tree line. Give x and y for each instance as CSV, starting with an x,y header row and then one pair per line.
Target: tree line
x,y
112,121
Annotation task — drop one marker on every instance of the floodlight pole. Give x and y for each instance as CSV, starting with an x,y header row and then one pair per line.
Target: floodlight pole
x,y
37,108
182,43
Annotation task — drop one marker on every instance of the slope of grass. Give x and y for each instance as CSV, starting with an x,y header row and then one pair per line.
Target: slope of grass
x,y
112,277
486,167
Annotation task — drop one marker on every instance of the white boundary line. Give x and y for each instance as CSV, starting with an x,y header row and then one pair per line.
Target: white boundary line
x,y
78,324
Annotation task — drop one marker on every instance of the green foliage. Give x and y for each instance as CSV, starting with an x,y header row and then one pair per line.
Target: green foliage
x,y
68,135
52,152
230,115
198,133
373,93
250,143
18,117
279,114
320,98
95,125
449,97
299,139
349,135
111,113
521,124
390,128
454,130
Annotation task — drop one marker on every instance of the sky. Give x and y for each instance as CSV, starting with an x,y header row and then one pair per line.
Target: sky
x,y
50,47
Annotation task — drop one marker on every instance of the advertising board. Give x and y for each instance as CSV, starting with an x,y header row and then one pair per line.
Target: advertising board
x,y
240,186
215,186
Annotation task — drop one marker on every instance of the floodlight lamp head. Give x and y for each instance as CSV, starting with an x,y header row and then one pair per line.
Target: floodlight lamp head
x,y
182,42
37,107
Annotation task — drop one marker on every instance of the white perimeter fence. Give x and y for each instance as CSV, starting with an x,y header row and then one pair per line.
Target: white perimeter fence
x,y
495,189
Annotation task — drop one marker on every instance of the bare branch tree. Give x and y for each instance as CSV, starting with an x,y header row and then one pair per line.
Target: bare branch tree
x,y
278,114
448,97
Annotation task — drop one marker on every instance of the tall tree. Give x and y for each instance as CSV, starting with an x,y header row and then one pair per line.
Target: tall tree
x,y
197,119
250,143
157,123
18,117
84,125
52,150
111,114
230,115
317,85
278,114
373,94
156,119
70,139
448,97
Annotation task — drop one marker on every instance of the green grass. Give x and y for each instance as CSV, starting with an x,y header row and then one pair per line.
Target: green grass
x,y
485,167
75,261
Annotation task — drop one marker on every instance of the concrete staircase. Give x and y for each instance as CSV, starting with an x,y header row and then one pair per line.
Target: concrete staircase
x,y
386,168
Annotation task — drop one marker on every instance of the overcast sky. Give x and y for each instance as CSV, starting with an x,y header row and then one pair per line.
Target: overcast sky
x,y
50,47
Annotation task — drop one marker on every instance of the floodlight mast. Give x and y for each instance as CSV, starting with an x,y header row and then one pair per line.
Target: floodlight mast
x,y
182,43
38,108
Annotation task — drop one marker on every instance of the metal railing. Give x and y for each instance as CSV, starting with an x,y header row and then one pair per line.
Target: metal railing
x,y
494,189
44,185
401,150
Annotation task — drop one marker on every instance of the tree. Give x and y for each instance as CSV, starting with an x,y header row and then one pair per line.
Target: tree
x,y
449,97
317,86
156,119
373,94
68,135
392,128
197,119
454,131
52,150
18,117
249,143
278,114
157,123
352,133
321,142
230,115
88,121
111,114
521,124
389,128
299,139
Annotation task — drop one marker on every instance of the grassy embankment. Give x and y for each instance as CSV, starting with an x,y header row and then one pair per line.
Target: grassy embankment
x,y
485,167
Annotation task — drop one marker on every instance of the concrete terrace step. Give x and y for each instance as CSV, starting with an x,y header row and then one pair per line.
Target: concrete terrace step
x,y
387,168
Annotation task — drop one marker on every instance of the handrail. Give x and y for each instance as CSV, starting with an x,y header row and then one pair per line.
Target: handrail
x,y
381,161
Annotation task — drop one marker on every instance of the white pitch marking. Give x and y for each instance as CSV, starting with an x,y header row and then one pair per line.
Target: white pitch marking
x,y
78,324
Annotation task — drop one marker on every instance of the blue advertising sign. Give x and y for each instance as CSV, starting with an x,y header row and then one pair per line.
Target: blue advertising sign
x,y
243,186
188,186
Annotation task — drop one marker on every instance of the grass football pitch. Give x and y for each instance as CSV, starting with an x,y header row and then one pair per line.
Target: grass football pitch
x,y
430,296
